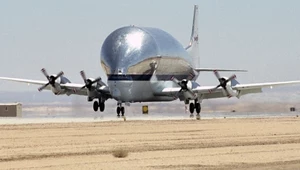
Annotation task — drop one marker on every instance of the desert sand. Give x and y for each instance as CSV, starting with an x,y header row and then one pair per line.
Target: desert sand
x,y
265,143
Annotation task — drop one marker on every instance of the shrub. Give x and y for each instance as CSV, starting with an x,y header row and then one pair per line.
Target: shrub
x,y
120,153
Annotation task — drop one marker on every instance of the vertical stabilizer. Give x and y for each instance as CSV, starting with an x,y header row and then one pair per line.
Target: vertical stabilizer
x,y
193,47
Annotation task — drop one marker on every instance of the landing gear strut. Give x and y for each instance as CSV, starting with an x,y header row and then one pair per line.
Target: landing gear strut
x,y
195,106
98,105
120,109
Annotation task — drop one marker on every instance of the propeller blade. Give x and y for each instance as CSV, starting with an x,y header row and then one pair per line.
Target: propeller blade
x,y
45,73
88,82
183,85
96,80
175,80
227,93
223,83
214,89
83,76
231,78
59,74
83,87
191,92
217,74
43,87
51,79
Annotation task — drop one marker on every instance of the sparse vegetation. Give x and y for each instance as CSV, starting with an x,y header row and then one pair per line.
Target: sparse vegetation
x,y
120,153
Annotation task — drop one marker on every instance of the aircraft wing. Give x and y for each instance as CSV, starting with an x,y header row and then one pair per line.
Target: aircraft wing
x,y
200,89
37,82
72,88
217,69
28,81
205,91
263,85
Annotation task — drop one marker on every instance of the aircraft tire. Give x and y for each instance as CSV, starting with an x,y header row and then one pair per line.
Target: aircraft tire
x,y
192,108
118,111
122,111
95,106
102,106
198,107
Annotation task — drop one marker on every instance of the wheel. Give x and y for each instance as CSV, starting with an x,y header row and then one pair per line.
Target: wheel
x,y
122,111
118,111
198,107
102,106
192,107
95,106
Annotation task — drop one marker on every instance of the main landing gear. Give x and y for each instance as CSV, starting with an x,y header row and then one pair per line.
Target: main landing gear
x,y
99,105
195,106
120,109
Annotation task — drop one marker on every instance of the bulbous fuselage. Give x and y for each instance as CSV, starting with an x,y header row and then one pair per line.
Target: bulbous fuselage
x,y
139,61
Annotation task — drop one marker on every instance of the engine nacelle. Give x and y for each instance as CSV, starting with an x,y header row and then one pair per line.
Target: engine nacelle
x,y
233,93
97,83
57,90
90,79
61,79
186,84
91,93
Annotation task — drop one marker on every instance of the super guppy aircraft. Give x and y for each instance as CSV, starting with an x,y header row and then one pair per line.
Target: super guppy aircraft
x,y
146,64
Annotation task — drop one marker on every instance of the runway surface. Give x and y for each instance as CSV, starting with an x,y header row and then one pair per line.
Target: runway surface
x,y
69,117
252,143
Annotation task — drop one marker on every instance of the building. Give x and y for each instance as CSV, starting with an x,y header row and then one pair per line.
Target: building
x,y
10,110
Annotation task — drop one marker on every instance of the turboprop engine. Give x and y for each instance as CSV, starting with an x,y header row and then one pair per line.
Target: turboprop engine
x,y
54,80
91,90
228,91
186,88
226,85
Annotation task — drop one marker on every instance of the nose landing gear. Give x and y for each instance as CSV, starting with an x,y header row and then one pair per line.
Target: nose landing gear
x,y
120,109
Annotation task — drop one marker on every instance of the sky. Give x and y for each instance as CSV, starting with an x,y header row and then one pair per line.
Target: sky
x,y
261,36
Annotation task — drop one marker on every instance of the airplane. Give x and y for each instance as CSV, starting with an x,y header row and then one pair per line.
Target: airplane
x,y
145,64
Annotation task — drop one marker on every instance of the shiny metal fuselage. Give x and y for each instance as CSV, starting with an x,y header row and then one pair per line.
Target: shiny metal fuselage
x,y
140,62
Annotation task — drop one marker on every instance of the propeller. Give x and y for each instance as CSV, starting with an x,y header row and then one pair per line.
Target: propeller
x,y
183,84
51,79
88,82
223,83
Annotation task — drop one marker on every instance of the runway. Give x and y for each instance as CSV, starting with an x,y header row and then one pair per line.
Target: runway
x,y
231,143
67,118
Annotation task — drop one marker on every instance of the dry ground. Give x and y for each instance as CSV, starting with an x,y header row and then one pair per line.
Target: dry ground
x,y
176,144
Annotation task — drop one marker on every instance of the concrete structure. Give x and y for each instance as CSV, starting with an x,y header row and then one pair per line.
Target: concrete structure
x,y
10,110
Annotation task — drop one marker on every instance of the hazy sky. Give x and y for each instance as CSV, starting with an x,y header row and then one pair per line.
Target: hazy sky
x,y
262,36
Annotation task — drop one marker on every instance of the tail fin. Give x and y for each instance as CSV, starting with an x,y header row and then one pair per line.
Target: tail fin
x,y
193,47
